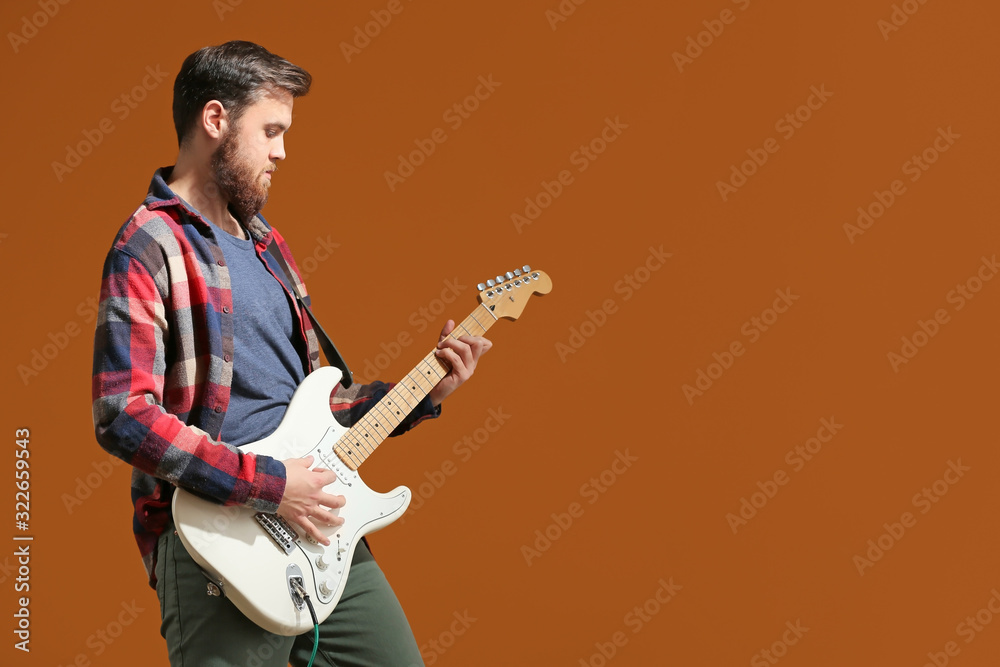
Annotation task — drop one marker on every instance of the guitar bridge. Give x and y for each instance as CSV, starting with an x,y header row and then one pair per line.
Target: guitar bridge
x,y
281,533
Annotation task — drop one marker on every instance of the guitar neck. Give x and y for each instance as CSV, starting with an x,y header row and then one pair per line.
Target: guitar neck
x,y
371,430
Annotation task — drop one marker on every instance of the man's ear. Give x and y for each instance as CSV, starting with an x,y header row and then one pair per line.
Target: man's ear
x,y
214,119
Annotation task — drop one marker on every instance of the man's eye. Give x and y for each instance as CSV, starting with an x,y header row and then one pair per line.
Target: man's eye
x,y
271,134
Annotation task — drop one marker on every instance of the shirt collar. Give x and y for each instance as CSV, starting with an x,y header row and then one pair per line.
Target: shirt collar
x,y
161,196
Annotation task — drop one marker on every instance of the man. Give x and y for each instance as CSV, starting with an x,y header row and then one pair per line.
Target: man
x,y
199,347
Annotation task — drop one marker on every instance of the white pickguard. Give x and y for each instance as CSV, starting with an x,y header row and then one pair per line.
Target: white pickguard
x,y
230,544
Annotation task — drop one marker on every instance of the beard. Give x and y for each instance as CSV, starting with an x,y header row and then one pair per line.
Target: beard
x,y
238,180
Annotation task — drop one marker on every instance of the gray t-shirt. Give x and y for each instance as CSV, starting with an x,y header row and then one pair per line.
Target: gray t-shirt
x,y
267,361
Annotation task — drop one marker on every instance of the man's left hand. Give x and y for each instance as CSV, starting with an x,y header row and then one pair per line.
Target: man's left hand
x,y
461,354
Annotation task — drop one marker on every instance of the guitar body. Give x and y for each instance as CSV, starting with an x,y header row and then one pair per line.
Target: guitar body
x,y
252,557
258,559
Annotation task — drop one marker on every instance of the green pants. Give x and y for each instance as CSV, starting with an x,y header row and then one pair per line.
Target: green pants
x,y
366,629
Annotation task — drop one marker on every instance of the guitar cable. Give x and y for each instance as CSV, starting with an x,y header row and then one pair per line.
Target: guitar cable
x,y
312,612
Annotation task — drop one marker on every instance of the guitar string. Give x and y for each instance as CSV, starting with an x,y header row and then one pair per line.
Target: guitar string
x,y
372,433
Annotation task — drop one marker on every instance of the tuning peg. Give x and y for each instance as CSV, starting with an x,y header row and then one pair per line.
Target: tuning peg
x,y
526,268
509,275
499,279
480,287
490,283
517,272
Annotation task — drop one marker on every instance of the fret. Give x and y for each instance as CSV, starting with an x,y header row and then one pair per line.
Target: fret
x,y
382,419
386,415
483,306
359,442
473,317
393,406
418,384
397,403
380,416
348,454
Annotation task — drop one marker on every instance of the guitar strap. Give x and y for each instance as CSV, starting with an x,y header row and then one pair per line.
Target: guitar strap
x,y
333,356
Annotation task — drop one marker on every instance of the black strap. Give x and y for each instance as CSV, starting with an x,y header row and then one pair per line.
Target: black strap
x,y
333,356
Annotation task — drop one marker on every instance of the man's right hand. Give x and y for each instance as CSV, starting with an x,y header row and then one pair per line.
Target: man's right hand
x,y
304,500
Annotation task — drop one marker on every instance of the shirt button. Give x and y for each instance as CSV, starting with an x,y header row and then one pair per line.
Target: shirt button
x,y
218,408
222,263
225,309
228,357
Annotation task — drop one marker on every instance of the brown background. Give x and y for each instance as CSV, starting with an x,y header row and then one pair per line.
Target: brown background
x,y
665,517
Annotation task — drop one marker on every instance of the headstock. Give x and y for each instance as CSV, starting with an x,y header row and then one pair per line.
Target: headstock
x,y
507,295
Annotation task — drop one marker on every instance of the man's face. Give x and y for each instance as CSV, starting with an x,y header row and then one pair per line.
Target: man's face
x,y
250,149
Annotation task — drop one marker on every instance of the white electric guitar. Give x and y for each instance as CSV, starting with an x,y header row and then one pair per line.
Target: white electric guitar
x,y
261,562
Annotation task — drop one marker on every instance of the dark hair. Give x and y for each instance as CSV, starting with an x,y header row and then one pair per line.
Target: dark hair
x,y
237,74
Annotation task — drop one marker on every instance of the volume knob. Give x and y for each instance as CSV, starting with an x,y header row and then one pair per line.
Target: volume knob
x,y
324,588
321,562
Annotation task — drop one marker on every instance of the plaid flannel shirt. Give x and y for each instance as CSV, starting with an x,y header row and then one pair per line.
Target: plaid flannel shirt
x,y
163,366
